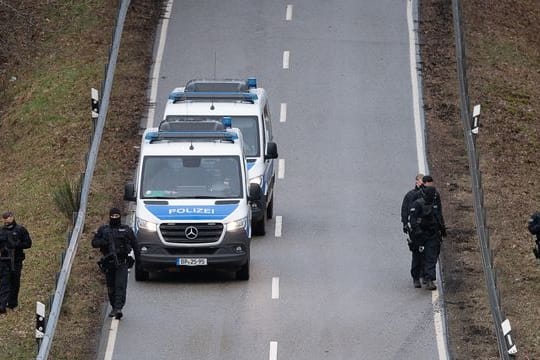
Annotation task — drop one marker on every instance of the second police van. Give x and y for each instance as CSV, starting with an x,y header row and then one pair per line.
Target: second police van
x,y
247,105
193,198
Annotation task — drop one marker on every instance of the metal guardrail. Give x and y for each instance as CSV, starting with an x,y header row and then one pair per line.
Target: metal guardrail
x,y
69,255
470,127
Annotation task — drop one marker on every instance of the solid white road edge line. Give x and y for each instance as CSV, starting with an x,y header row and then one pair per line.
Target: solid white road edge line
x,y
111,339
286,56
281,169
275,288
279,225
288,13
157,65
273,350
283,113
420,149
421,158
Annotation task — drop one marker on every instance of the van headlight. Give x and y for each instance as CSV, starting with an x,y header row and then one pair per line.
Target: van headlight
x,y
256,180
146,225
237,224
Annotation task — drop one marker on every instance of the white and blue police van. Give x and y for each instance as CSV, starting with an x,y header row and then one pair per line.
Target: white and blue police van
x,y
247,106
193,199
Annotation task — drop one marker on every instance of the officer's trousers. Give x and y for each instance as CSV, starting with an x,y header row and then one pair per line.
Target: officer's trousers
x,y
117,277
13,300
432,247
5,282
417,264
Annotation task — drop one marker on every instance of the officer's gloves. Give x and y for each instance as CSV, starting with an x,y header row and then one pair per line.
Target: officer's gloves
x,y
405,229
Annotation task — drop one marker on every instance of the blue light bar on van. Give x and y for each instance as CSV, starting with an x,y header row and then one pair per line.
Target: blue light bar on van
x,y
176,96
190,135
251,82
227,122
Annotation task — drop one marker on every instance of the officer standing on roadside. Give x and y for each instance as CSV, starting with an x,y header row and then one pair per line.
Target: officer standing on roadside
x,y
19,239
115,242
428,228
417,263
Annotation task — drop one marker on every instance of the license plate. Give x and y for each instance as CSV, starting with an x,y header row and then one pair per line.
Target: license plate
x,y
191,261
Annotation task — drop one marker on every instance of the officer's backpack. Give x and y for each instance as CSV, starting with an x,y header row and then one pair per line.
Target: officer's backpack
x,y
534,223
428,220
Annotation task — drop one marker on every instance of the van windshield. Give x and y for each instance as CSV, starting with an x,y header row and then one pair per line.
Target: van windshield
x,y
247,124
191,177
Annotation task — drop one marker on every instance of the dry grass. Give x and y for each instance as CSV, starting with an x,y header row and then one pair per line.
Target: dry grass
x,y
503,50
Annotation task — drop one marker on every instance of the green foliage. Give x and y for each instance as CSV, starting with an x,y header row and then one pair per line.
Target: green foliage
x,y
67,197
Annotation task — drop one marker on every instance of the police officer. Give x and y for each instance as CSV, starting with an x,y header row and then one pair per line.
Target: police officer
x,y
19,239
427,227
417,263
115,242
6,266
428,181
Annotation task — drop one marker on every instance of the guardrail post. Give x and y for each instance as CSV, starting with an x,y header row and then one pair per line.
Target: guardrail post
x,y
507,331
40,322
475,120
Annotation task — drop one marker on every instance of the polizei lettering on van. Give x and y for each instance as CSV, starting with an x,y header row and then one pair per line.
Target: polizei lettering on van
x,y
187,213
182,211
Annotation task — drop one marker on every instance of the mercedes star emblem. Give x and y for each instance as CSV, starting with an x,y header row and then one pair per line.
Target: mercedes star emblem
x,y
191,232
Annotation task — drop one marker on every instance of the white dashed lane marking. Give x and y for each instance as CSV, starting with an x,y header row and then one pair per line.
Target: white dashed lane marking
x,y
279,225
283,113
288,13
273,350
275,288
286,57
281,169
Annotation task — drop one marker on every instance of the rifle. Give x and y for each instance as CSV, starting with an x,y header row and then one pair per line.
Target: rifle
x,y
7,253
112,247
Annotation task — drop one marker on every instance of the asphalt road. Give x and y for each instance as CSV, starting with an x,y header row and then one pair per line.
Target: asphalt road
x,y
333,282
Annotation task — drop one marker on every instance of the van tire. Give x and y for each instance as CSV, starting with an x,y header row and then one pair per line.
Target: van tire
x,y
243,273
270,208
140,274
259,227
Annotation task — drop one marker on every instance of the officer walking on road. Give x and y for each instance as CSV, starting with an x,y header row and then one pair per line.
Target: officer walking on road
x,y
417,263
15,239
427,227
115,242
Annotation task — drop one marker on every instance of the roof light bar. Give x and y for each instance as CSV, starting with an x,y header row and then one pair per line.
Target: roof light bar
x,y
190,135
185,96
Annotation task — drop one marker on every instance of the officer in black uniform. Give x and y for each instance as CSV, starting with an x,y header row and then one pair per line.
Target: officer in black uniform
x,y
19,239
115,242
427,227
417,263
6,266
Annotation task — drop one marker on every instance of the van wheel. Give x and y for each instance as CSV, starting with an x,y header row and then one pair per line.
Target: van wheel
x,y
140,274
243,273
259,226
270,208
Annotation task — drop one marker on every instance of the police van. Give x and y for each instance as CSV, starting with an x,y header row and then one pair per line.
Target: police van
x,y
247,105
192,199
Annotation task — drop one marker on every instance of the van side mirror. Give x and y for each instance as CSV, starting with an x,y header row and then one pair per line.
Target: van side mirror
x,y
129,192
271,151
255,193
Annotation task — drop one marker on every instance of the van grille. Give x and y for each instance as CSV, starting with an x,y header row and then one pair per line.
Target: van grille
x,y
205,232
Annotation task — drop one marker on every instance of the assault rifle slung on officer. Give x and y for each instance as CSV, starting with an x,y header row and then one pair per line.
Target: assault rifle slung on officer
x,y
7,250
